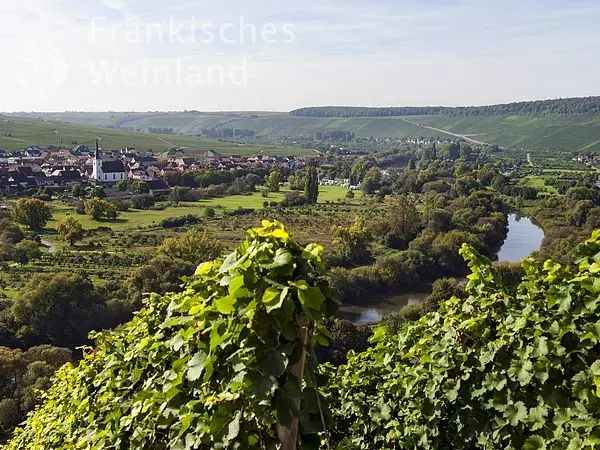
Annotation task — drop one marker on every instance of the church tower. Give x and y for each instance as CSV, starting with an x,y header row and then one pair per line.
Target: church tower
x,y
97,171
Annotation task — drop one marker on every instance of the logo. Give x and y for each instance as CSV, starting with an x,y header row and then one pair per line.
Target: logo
x,y
38,63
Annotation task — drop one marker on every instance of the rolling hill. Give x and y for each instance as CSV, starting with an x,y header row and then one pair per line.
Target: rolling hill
x,y
17,133
564,125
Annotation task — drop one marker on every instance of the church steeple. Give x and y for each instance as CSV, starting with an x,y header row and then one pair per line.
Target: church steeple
x,y
97,174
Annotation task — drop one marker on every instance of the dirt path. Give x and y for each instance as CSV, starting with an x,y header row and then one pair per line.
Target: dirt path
x,y
165,141
51,246
461,136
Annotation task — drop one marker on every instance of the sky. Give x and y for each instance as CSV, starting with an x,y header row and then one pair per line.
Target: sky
x,y
277,55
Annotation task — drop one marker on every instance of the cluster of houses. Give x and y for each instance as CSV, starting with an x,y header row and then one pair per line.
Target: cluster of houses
x,y
342,182
50,166
589,160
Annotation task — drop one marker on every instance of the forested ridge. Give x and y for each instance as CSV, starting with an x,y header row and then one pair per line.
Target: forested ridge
x,y
581,106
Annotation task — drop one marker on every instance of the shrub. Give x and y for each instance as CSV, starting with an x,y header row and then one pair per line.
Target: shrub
x,y
121,205
346,337
177,222
411,313
143,201
293,199
209,212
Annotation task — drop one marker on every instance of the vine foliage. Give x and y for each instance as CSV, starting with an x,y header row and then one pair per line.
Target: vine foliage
x,y
497,370
209,368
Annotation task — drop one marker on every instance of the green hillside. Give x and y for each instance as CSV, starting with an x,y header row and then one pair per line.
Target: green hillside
x,y
523,132
572,134
569,126
17,133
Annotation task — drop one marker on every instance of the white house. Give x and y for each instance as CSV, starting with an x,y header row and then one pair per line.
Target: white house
x,y
107,171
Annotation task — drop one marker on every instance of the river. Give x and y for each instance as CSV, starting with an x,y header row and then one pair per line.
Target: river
x,y
523,238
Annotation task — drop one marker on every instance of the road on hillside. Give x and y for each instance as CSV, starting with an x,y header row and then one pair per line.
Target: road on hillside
x,y
165,141
461,136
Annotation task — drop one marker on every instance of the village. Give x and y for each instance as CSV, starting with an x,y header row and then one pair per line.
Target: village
x,y
42,167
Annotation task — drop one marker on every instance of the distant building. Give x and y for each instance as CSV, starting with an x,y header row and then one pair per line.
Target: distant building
x,y
158,187
107,171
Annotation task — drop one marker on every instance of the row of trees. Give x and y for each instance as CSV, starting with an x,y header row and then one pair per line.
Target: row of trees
x,y
588,106
227,133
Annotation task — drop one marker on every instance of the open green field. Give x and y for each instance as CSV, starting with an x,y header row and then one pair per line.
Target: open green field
x,y
17,133
554,133
539,182
138,219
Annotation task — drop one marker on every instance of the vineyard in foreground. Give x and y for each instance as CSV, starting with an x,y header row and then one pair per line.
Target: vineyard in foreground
x,y
229,363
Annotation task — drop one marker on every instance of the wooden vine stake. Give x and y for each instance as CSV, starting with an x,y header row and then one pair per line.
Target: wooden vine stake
x,y
288,436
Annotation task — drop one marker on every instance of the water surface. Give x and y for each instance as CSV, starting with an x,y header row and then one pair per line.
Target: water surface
x,y
381,308
524,237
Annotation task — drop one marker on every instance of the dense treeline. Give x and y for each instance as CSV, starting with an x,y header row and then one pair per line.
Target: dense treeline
x,y
335,135
161,130
227,133
587,106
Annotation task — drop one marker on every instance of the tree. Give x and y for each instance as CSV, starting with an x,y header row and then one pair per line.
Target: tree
x,y
353,243
372,180
209,212
404,218
76,191
465,185
123,185
584,193
70,230
293,199
10,232
442,290
439,220
593,219
161,275
30,249
311,191
22,374
98,208
273,181
32,212
98,191
60,309
194,247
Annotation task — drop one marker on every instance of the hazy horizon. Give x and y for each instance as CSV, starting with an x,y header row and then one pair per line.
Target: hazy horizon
x,y
140,56
243,111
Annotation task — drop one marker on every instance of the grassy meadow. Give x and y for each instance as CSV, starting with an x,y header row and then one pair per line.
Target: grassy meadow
x,y
139,219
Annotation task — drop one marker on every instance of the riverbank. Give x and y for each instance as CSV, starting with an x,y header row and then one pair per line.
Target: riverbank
x,y
522,238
